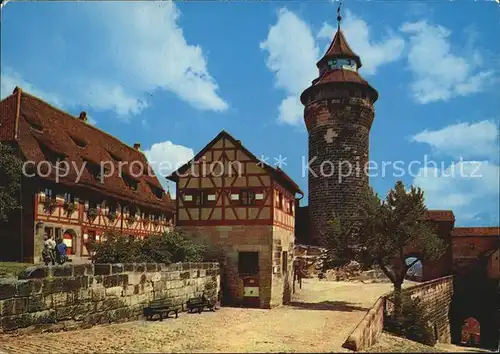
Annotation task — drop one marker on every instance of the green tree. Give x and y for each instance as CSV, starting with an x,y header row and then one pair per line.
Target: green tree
x,y
10,181
169,247
381,232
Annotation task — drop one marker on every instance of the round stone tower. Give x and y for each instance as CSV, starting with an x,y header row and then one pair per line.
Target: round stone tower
x,y
338,115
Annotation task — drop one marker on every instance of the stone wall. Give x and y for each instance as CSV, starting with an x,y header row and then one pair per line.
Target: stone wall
x,y
436,296
230,240
282,278
338,151
368,330
76,296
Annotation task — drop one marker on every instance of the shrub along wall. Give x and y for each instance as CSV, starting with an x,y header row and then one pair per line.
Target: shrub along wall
x,y
79,296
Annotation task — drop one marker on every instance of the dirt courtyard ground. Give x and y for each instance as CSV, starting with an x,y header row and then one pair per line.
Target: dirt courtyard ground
x,y
319,319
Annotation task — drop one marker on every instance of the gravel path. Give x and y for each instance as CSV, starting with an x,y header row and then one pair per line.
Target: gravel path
x,y
319,319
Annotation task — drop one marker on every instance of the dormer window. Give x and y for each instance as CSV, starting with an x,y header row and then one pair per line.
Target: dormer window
x,y
158,192
51,155
36,127
94,170
78,142
114,157
131,183
33,122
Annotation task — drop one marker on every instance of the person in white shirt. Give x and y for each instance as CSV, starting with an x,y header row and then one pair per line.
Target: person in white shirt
x,y
49,250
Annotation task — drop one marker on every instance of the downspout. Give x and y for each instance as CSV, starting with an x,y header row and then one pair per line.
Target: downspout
x,y
21,208
18,91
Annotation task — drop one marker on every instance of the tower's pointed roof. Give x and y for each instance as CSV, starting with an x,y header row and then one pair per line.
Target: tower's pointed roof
x,y
339,48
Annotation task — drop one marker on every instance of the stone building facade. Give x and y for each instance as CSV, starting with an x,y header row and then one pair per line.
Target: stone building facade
x,y
245,210
78,182
338,115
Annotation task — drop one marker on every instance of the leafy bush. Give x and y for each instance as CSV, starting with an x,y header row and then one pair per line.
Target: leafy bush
x,y
414,323
170,247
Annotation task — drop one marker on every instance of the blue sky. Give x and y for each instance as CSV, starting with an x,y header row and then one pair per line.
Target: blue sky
x,y
172,75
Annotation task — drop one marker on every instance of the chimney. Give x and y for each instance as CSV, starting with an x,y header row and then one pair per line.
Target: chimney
x,y
83,116
137,146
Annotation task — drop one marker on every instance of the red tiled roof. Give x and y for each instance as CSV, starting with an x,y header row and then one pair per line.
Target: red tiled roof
x,y
339,48
8,118
340,76
440,215
277,173
42,127
476,231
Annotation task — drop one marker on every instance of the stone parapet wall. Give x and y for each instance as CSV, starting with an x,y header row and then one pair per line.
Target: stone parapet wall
x,y
368,330
79,296
436,296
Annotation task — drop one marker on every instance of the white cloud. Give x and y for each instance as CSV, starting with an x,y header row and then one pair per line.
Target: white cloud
x,y
467,140
291,110
165,158
293,53
10,79
96,95
470,188
135,48
438,73
102,96
292,57
373,53
147,44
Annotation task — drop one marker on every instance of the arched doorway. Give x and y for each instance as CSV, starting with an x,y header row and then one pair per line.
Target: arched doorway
x,y
69,238
471,332
415,272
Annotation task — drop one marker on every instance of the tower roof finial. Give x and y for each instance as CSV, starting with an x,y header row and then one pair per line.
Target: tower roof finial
x,y
339,16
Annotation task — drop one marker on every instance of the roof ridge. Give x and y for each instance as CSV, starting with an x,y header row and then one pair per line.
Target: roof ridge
x,y
224,133
76,118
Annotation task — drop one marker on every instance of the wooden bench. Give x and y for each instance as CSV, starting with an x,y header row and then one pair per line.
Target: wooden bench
x,y
161,307
199,303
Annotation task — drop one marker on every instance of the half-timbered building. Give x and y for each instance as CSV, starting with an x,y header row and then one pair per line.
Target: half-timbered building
x,y
78,182
229,199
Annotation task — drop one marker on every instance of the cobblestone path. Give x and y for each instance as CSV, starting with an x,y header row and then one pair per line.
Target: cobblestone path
x,y
319,319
